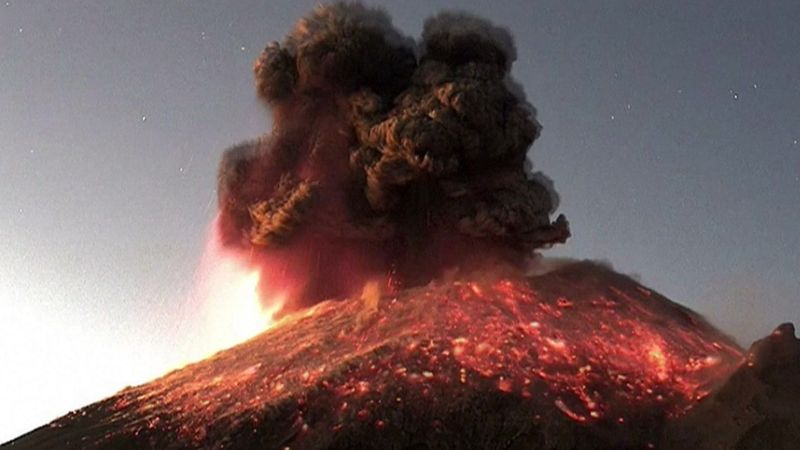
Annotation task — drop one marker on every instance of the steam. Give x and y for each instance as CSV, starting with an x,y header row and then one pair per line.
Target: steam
x,y
387,157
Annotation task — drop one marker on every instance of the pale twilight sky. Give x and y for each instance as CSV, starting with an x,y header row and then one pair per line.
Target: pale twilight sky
x,y
670,129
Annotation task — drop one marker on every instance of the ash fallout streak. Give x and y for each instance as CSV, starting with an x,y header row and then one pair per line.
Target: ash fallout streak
x,y
387,158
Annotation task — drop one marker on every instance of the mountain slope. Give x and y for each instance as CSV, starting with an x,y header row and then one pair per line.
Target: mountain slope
x,y
579,357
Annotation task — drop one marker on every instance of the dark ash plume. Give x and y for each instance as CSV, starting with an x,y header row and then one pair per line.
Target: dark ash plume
x,y
386,156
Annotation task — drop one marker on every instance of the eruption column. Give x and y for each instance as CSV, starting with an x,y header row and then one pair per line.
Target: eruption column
x,y
387,157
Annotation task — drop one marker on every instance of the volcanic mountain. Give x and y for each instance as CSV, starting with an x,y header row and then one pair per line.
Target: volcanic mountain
x,y
579,357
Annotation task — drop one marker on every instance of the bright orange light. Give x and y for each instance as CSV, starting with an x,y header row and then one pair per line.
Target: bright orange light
x,y
228,302
242,307
232,309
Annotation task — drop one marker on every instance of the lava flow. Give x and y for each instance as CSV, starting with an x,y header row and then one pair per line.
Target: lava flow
x,y
581,345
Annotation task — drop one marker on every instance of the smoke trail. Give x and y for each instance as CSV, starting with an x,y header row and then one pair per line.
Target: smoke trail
x,y
387,156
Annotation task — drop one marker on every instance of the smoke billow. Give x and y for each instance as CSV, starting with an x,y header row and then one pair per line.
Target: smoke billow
x,y
387,157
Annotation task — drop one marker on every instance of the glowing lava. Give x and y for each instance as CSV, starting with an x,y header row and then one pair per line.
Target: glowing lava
x,y
582,347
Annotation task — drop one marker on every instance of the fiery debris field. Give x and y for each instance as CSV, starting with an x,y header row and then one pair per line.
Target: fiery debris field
x,y
582,346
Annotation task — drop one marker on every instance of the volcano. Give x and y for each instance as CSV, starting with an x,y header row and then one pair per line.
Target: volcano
x,y
579,357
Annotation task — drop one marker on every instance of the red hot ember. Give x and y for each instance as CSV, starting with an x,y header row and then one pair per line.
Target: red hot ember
x,y
582,347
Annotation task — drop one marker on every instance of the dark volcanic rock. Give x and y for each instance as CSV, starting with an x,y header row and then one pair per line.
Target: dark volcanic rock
x,y
578,358
758,407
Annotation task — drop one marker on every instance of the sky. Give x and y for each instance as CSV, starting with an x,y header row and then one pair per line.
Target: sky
x,y
671,130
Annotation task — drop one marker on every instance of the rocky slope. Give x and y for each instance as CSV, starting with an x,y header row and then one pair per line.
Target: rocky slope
x,y
757,408
578,358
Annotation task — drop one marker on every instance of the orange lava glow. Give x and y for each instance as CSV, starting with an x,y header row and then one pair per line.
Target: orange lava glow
x,y
589,348
242,310
229,301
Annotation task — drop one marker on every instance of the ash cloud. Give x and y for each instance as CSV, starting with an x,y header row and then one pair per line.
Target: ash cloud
x,y
387,157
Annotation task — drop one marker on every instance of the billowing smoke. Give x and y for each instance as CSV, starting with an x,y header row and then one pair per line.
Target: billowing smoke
x,y
387,158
